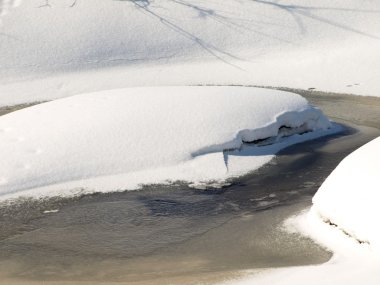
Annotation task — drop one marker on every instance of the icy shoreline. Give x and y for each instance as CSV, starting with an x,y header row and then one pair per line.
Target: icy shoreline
x,y
340,219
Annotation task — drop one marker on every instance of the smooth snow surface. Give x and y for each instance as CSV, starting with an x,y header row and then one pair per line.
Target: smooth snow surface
x,y
5,5
349,198
122,138
55,48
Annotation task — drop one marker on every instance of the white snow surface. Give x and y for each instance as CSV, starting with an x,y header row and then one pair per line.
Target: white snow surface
x,y
120,139
56,48
349,198
5,5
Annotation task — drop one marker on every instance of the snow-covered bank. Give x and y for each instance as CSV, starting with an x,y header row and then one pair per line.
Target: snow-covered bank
x,y
352,263
119,139
52,49
343,218
350,196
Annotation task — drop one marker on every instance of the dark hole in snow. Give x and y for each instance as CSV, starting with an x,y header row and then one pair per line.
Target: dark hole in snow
x,y
283,131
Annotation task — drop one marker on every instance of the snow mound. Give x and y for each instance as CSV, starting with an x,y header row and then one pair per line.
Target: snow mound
x,y
349,197
123,138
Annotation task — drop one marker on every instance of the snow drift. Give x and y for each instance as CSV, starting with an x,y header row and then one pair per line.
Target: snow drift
x,y
349,198
122,138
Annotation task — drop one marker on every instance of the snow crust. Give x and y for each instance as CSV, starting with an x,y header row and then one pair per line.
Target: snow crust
x,y
52,49
123,138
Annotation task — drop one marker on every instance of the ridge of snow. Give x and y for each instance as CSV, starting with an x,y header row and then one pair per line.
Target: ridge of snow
x,y
120,139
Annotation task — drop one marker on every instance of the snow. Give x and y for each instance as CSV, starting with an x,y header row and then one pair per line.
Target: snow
x,y
344,219
55,50
5,5
120,139
349,197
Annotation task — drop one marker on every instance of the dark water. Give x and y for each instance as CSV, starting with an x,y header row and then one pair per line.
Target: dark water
x,y
176,234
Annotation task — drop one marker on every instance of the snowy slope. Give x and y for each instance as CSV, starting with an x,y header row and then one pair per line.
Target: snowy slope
x,y
51,49
119,139
350,196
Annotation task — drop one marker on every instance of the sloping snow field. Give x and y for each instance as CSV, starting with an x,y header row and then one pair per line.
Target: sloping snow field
x,y
119,139
56,48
